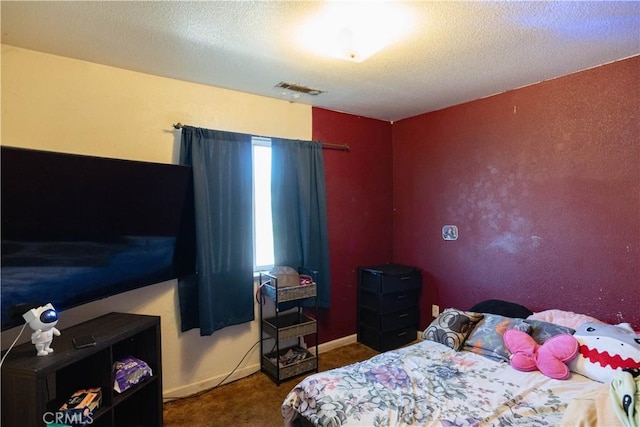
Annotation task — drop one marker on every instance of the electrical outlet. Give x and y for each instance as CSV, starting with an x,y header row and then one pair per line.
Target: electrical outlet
x,y
435,310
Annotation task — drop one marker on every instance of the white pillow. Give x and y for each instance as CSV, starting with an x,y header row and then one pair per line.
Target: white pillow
x,y
564,318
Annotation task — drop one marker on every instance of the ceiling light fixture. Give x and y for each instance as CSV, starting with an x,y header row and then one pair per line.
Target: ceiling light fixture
x,y
355,30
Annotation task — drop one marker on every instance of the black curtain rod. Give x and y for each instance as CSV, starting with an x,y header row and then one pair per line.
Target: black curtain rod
x,y
325,145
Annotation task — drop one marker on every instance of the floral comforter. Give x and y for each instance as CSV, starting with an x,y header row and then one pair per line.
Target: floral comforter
x,y
430,384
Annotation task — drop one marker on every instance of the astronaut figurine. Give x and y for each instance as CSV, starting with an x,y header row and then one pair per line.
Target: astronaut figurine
x,y
42,320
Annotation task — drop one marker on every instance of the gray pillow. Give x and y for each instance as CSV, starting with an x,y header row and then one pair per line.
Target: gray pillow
x,y
452,327
542,331
486,339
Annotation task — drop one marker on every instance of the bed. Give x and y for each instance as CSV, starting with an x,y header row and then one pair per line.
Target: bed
x,y
449,379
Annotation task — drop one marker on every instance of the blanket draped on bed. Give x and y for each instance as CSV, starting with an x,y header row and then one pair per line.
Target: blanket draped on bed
x,y
431,384
611,405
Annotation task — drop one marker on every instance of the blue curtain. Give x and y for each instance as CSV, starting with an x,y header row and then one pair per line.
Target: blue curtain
x,y
221,294
299,207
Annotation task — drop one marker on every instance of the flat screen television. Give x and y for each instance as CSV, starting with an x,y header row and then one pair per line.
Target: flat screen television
x,y
80,228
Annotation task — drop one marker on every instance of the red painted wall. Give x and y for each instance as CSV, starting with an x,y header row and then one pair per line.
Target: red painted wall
x,y
544,185
359,208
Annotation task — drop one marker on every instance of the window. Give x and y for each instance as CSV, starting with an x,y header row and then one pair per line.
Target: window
x,y
262,227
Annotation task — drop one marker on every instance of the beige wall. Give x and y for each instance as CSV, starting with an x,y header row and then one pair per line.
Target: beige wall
x,y
60,104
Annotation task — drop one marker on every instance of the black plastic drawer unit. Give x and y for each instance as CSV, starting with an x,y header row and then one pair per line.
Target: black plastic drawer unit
x,y
388,313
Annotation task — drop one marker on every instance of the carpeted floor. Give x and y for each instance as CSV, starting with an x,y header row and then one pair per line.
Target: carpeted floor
x,y
252,401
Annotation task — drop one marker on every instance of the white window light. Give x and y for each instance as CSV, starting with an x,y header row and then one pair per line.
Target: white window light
x,y
263,258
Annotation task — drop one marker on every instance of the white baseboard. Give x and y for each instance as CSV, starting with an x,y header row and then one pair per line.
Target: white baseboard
x,y
209,383
197,387
340,342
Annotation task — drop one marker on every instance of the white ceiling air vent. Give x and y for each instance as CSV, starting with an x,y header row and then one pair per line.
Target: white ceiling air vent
x,y
293,87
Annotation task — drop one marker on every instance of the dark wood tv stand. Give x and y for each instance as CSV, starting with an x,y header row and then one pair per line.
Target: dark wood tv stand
x,y
33,386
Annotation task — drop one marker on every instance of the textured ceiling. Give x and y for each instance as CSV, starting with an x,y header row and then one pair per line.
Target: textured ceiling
x,y
456,52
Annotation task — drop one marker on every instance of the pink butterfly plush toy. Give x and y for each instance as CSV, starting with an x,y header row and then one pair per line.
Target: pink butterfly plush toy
x,y
550,358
